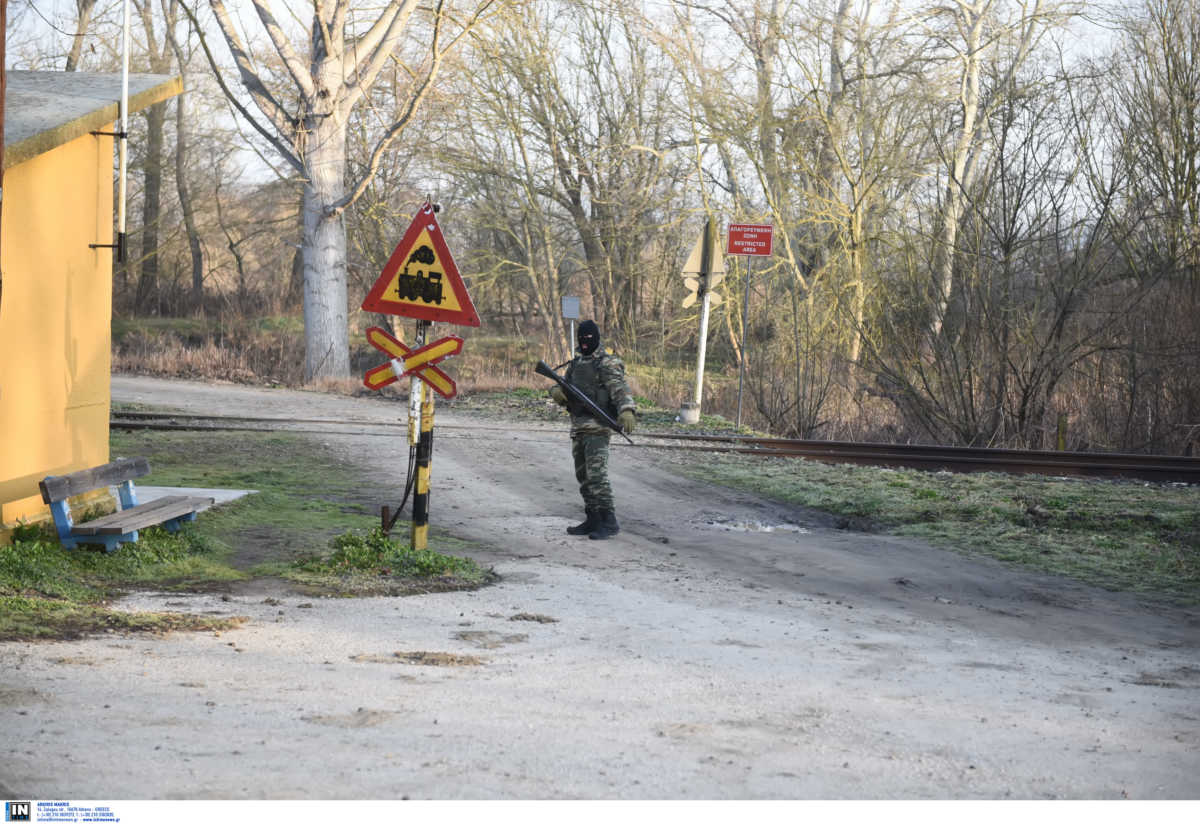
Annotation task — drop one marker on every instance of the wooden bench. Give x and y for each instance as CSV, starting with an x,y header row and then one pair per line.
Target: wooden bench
x,y
122,525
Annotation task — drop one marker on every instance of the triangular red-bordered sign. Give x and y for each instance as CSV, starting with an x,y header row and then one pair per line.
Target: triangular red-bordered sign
x,y
420,279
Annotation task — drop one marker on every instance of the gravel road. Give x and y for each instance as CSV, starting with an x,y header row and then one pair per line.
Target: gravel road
x,y
720,647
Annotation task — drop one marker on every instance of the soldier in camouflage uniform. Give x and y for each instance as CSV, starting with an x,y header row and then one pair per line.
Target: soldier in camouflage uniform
x,y
601,376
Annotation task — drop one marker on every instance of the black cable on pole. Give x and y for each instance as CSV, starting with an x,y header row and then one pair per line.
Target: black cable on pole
x,y
408,485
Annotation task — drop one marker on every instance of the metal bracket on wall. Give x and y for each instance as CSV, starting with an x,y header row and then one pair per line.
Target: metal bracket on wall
x,y
119,246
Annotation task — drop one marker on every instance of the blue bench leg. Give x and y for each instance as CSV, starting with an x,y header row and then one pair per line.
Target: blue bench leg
x,y
173,524
128,495
111,542
63,524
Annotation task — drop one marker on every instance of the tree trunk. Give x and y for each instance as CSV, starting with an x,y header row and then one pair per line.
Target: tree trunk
x,y
182,188
327,340
185,203
148,298
83,19
859,299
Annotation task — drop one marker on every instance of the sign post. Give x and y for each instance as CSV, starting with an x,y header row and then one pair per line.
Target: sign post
x,y
419,281
710,268
570,311
751,240
420,426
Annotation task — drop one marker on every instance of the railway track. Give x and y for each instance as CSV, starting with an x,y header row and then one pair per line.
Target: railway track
x,y
1156,468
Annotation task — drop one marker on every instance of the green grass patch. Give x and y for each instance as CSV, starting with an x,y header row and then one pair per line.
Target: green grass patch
x,y
306,498
281,323
312,520
47,591
368,562
122,327
41,619
305,493
1122,536
40,566
192,328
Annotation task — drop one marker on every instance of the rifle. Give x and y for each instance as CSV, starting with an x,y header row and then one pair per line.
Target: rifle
x,y
575,393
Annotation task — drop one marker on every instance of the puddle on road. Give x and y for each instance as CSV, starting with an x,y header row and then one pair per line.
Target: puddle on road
x,y
733,525
362,717
422,657
485,639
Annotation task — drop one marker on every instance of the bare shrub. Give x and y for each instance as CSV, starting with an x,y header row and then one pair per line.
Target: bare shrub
x,y
241,354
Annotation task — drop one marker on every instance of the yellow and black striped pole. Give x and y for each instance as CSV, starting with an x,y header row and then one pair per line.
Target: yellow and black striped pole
x,y
420,519
420,435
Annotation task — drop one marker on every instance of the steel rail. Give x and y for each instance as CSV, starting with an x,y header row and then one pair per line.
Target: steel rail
x,y
1157,468
964,458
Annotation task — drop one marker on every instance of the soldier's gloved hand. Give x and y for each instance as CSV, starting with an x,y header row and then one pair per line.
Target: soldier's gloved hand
x,y
558,395
627,421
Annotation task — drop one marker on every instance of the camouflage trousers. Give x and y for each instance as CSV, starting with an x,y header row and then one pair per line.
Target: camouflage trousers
x,y
590,451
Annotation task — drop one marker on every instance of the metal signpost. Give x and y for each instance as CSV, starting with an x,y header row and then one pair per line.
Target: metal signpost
x,y
419,281
750,240
706,262
570,311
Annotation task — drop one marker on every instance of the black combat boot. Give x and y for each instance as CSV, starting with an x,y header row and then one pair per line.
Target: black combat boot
x,y
606,525
589,523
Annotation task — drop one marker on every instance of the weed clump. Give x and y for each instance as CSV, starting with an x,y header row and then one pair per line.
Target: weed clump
x,y
372,551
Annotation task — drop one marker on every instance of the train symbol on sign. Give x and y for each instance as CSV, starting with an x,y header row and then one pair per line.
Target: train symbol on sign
x,y
426,284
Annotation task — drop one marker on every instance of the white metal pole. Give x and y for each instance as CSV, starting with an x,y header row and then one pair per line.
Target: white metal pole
x,y
416,387
122,164
706,267
702,348
745,342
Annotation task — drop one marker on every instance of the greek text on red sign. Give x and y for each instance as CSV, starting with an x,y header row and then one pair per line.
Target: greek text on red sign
x,y
750,239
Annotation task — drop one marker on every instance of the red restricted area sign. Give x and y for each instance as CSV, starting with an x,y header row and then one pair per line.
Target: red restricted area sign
x,y
750,239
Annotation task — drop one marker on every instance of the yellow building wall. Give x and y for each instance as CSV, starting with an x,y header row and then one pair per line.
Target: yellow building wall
x,y
55,321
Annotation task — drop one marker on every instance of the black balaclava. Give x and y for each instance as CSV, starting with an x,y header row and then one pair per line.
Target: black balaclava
x,y
589,337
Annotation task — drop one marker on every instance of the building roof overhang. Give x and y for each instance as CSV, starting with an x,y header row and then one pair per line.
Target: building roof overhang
x,y
44,110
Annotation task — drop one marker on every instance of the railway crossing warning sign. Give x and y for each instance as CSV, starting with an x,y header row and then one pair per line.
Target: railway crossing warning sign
x,y
417,363
707,264
420,279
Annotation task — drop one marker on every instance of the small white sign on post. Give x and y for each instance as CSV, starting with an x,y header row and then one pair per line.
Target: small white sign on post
x,y
570,311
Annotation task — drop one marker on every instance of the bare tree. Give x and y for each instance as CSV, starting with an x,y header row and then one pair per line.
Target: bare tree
x,y
1150,110
975,30
304,113
182,155
159,59
574,90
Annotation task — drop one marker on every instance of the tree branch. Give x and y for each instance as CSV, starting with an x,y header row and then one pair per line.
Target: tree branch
x,y
283,47
398,125
283,123
375,47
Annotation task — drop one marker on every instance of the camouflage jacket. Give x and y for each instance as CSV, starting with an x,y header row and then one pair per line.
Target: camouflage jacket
x,y
613,391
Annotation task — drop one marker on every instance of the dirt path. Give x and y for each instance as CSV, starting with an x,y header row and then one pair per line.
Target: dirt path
x,y
687,658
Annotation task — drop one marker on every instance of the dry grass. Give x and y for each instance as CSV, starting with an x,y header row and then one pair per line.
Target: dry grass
x,y
270,351
243,354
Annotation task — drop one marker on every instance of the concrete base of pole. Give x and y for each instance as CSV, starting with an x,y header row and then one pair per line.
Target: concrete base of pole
x,y
689,413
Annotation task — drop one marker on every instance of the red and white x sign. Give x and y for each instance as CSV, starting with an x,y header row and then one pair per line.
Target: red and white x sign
x,y
408,362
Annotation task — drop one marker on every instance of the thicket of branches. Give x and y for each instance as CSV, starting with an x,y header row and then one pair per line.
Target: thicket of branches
x,y
985,225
